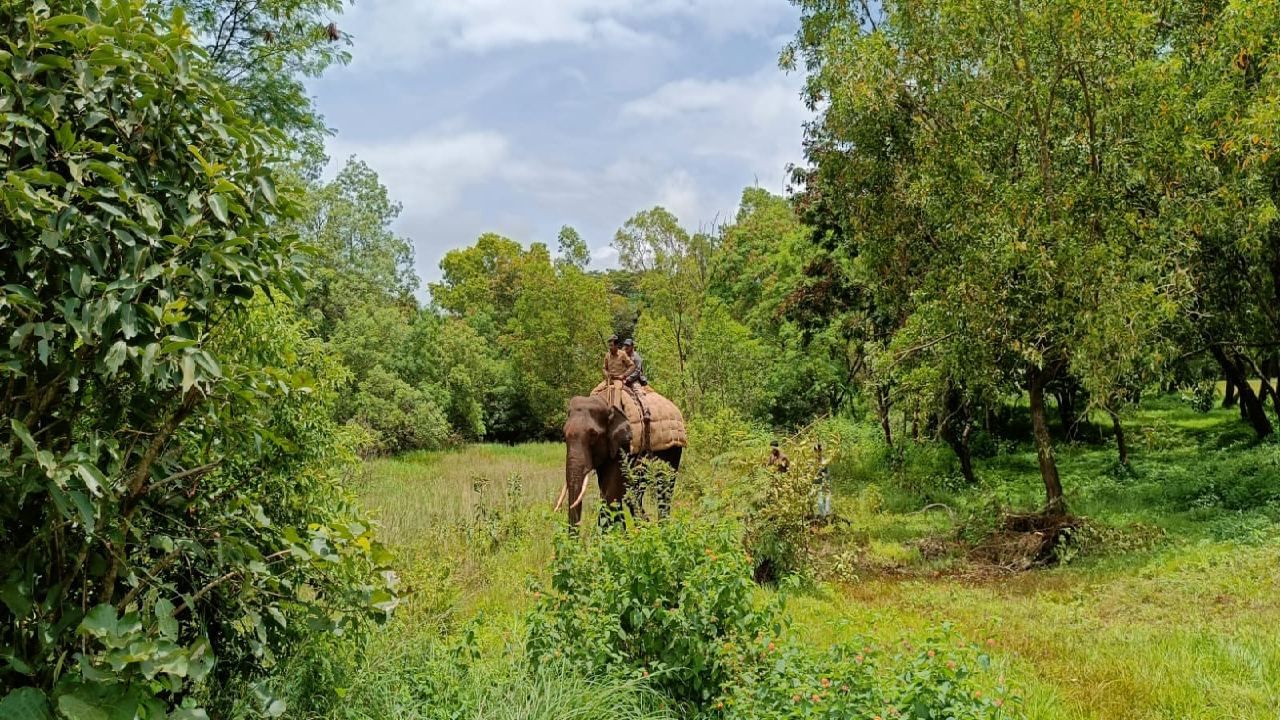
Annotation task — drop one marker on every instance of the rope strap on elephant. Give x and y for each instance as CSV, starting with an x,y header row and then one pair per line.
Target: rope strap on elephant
x,y
665,426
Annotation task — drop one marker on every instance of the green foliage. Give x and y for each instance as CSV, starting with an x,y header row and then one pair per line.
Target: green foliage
x,y
860,679
263,51
171,484
671,602
556,336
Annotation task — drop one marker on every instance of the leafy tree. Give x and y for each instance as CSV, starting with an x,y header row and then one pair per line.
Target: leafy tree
x,y
573,249
671,268
556,335
481,280
264,51
1020,185
386,393
157,412
1221,181
360,257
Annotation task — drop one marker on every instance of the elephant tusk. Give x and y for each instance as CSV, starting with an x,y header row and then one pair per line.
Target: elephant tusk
x,y
564,492
581,494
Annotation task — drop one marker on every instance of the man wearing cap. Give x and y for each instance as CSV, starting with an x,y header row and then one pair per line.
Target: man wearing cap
x,y
617,368
637,376
618,365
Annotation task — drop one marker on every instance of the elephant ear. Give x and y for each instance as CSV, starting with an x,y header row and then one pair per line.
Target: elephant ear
x,y
619,432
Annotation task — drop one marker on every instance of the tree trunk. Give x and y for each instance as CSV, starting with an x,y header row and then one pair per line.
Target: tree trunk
x,y
955,429
1251,408
882,410
1055,504
1230,400
915,423
1121,446
1067,414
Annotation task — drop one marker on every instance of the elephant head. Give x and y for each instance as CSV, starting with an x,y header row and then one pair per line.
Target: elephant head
x,y
596,436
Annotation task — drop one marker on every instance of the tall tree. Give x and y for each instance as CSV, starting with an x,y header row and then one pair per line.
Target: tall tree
x,y
264,50
573,249
1038,252
360,258
671,267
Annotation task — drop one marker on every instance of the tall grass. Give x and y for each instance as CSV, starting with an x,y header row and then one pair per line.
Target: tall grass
x,y
1182,627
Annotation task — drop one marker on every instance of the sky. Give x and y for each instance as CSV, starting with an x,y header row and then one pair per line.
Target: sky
x,y
521,116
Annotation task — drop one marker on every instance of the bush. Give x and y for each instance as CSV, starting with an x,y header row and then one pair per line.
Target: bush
x,y
416,676
861,680
671,602
169,506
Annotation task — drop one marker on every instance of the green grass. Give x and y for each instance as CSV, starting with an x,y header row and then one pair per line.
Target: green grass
x,y
1174,615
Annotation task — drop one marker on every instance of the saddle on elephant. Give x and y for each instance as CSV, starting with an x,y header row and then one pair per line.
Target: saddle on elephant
x,y
664,427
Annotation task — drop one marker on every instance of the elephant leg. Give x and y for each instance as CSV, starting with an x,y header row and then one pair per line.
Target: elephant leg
x,y
612,495
639,480
665,482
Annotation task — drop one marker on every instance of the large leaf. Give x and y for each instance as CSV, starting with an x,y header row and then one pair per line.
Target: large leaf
x,y
218,204
76,708
101,621
25,704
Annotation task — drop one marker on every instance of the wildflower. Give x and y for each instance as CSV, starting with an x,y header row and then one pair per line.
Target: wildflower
x,y
991,642
951,664
826,682
932,653
977,694
998,702
795,698
857,659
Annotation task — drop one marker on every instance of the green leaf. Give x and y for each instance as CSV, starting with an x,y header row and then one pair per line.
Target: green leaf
x,y
16,595
188,371
165,621
128,321
92,477
74,708
268,188
218,204
85,506
116,356
101,621
25,704
23,434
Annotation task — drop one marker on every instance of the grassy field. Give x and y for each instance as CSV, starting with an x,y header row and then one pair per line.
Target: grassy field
x,y
1170,612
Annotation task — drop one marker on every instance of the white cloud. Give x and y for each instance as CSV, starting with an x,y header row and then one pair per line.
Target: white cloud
x,y
404,33
428,171
756,119
604,256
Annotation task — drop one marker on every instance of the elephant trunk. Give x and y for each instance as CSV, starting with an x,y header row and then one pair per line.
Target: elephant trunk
x,y
575,475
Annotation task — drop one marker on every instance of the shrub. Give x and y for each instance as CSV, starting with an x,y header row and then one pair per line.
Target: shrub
x,y
670,601
861,680
168,503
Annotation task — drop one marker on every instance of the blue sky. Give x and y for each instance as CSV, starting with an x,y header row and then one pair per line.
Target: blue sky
x,y
519,116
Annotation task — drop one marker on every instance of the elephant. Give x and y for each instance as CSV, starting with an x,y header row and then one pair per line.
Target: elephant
x,y
599,437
